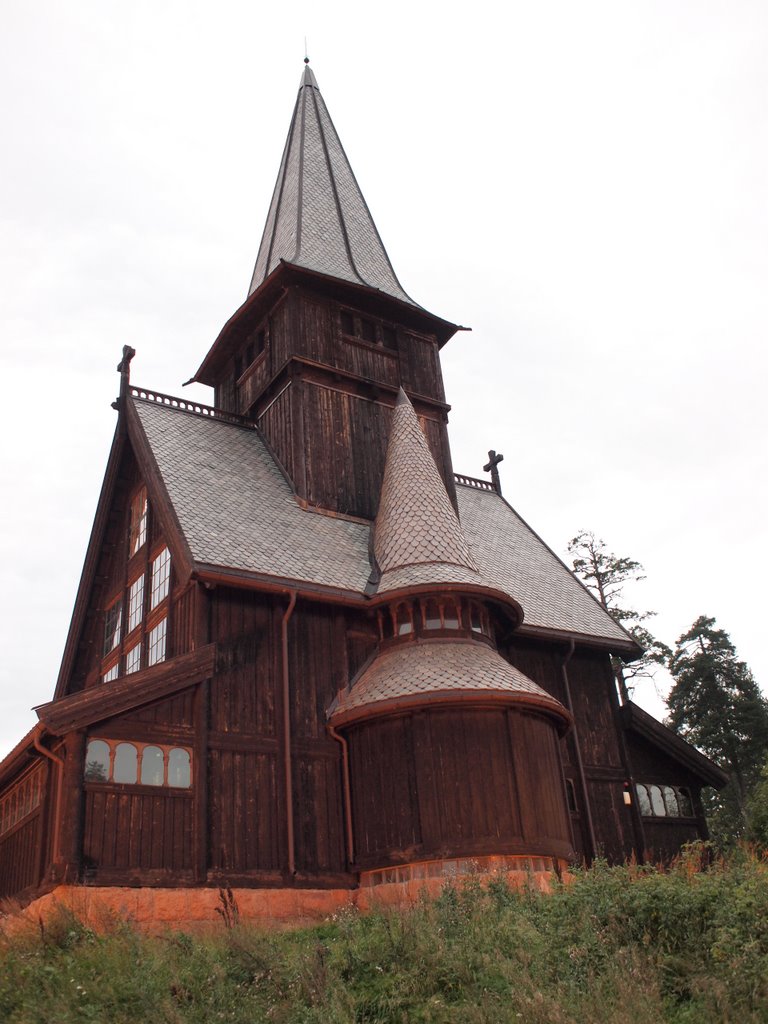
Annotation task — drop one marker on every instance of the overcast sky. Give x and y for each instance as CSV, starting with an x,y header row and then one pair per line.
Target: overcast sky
x,y
582,184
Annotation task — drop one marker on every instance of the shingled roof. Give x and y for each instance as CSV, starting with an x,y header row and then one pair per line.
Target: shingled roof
x,y
318,218
237,513
416,525
432,671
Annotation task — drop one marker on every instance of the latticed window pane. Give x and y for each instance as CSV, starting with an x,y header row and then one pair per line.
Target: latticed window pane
x,y
179,774
156,647
139,510
97,761
111,673
112,622
126,763
135,603
161,575
152,766
133,659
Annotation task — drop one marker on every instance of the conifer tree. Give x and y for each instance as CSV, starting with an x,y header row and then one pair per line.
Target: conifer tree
x,y
605,574
716,704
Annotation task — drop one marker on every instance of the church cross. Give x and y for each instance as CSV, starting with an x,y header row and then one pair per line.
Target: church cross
x,y
492,467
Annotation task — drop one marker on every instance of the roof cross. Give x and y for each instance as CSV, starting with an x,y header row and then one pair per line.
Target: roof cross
x,y
491,467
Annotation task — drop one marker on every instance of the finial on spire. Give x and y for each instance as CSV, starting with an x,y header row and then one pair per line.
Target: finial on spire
x,y
492,467
306,52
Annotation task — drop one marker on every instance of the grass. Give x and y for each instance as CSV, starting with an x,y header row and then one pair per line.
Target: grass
x,y
622,945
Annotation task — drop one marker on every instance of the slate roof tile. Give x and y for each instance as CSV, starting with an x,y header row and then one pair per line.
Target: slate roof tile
x,y
424,671
237,511
318,217
416,523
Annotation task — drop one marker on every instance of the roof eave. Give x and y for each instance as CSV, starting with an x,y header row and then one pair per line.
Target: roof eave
x,y
627,650
339,717
645,725
286,273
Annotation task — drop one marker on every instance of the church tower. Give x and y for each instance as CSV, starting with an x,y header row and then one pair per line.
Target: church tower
x,y
327,336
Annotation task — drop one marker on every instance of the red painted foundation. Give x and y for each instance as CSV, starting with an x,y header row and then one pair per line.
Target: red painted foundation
x,y
195,909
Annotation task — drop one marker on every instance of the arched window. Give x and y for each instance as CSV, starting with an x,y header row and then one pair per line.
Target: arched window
x,y
643,800
403,620
670,801
450,615
657,802
97,761
431,614
386,627
152,766
126,763
179,775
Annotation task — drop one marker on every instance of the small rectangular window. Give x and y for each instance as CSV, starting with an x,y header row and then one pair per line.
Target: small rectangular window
x,y
249,354
161,575
133,659
347,322
111,673
156,644
112,623
261,340
139,510
135,603
368,330
389,337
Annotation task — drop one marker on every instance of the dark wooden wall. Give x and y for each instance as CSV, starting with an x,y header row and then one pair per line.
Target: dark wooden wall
x,y
594,705
20,851
323,399
448,783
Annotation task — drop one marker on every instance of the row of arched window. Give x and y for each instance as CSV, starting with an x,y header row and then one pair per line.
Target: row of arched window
x,y
21,800
431,614
664,801
146,764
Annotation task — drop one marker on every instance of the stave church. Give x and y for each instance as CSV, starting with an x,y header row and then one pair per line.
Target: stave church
x,y
307,662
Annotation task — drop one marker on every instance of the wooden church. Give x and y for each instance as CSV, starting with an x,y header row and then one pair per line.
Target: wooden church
x,y
304,653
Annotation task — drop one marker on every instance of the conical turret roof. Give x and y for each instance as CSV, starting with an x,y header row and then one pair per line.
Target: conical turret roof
x,y
318,218
416,525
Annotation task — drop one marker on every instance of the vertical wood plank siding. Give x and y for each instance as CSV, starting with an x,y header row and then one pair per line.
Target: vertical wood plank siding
x,y
130,828
245,826
20,856
455,783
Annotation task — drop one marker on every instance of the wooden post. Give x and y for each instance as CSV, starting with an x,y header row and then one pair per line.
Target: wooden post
x,y
70,838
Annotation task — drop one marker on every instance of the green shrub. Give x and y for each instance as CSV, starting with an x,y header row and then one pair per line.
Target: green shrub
x,y
622,945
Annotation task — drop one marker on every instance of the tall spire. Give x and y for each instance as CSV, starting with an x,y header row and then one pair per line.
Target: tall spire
x,y
318,218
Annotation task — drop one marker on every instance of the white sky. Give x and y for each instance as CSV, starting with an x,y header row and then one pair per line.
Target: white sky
x,y
582,184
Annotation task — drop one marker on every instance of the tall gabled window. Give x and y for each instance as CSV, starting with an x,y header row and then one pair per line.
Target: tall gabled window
x,y
161,575
135,603
156,643
112,626
136,628
138,529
